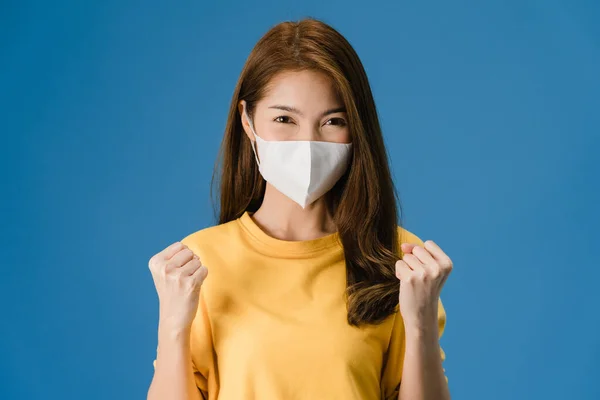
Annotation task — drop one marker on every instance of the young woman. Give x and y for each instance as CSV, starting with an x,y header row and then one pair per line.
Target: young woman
x,y
314,291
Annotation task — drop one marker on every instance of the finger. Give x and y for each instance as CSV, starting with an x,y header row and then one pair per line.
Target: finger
x,y
407,247
171,250
443,281
190,267
200,275
435,250
442,258
402,270
413,262
181,258
423,255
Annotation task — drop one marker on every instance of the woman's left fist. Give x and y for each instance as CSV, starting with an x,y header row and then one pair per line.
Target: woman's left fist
x,y
422,272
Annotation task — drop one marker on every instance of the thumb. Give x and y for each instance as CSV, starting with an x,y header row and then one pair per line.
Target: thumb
x,y
200,275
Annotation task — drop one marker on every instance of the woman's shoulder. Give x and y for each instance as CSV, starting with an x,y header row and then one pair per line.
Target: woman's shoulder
x,y
209,236
406,236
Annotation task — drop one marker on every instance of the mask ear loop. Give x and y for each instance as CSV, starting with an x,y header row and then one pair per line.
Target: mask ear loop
x,y
253,142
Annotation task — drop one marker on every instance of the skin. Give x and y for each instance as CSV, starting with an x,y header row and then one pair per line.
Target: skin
x,y
422,271
312,94
178,274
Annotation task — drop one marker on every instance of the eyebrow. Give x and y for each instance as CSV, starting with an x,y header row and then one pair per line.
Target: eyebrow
x,y
296,111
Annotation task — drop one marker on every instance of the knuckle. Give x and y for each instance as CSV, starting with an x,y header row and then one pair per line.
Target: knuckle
x,y
448,265
189,283
179,277
163,274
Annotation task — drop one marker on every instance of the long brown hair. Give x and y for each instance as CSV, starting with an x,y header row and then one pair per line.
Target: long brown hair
x,y
363,202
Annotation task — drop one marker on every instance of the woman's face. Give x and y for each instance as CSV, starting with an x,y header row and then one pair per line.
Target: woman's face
x,y
299,105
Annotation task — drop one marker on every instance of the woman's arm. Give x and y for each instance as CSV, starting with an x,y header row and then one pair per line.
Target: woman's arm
x,y
173,377
423,375
422,271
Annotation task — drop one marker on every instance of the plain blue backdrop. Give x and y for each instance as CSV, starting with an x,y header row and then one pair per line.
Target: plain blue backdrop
x,y
112,113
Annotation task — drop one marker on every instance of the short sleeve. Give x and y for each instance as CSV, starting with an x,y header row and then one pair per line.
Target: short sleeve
x,y
201,346
394,358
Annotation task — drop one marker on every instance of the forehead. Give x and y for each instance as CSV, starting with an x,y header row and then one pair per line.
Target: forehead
x,y
307,90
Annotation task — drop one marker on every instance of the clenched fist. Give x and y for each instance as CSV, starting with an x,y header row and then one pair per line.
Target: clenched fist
x,y
178,275
422,273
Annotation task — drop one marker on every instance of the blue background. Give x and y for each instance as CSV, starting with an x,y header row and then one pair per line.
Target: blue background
x,y
112,114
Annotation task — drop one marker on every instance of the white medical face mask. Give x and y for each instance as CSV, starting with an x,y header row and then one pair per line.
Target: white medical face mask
x,y
302,170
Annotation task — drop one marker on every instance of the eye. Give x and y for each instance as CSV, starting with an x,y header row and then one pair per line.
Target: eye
x,y
340,121
282,119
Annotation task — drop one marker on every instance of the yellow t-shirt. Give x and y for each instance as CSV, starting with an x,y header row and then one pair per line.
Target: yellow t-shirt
x,y
271,322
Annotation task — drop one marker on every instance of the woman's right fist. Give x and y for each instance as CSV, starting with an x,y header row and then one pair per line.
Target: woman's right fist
x,y
178,275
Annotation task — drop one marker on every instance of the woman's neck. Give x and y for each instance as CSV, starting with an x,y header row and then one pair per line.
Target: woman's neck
x,y
282,218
